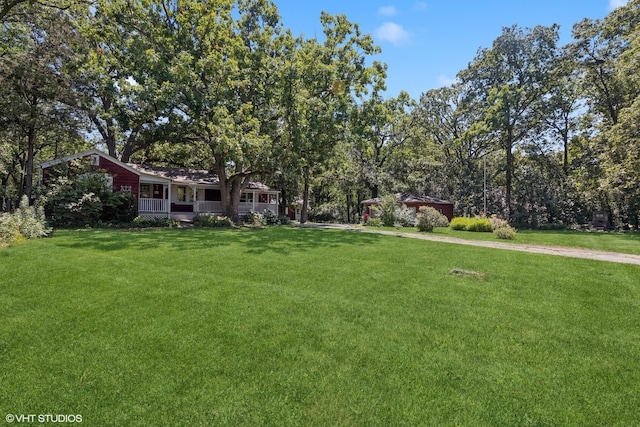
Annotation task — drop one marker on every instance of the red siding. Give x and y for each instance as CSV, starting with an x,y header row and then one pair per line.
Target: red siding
x,y
121,176
447,209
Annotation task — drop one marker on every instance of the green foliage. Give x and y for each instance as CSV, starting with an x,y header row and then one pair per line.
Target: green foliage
x,y
404,216
284,220
477,224
212,221
498,222
459,223
428,218
374,222
270,218
505,232
252,218
385,210
27,222
142,222
88,200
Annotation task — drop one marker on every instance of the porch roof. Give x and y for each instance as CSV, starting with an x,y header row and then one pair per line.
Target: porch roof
x,y
189,176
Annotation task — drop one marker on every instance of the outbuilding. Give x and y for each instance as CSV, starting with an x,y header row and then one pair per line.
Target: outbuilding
x,y
415,201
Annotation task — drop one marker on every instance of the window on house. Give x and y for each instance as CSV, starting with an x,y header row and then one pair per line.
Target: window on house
x,y
145,191
181,196
246,198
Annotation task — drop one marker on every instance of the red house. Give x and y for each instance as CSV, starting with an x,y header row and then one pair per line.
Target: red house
x,y
166,192
415,201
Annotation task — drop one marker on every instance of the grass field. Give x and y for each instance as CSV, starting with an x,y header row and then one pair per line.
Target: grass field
x,y
287,326
628,242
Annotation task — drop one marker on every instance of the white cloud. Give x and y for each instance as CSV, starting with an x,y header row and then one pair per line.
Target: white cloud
x,y
388,11
617,3
393,33
420,5
446,81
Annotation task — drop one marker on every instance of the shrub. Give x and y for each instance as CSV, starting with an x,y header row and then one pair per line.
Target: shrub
x,y
88,200
471,224
28,222
505,232
118,207
212,221
404,217
374,222
270,218
143,222
252,218
459,223
9,229
285,220
428,218
480,225
386,210
498,222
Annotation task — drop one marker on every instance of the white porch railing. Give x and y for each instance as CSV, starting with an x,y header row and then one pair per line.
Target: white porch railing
x,y
261,207
209,207
257,207
153,205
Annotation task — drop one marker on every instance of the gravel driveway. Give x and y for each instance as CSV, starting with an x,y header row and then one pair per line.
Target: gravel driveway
x,y
538,249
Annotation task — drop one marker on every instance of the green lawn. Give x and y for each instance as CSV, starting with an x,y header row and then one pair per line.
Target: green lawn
x,y
288,326
628,242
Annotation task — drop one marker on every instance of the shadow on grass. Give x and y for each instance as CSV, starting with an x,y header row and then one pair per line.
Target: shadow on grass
x,y
281,240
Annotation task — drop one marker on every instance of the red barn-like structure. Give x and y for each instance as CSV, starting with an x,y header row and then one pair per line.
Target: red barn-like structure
x,y
415,201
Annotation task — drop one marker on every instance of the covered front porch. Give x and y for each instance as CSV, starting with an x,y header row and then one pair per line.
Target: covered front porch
x,y
176,201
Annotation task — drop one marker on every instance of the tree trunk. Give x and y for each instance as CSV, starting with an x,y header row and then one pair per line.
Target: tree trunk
x,y
305,198
31,142
509,171
375,188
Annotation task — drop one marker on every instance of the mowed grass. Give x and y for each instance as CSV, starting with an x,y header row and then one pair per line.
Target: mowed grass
x,y
623,242
286,326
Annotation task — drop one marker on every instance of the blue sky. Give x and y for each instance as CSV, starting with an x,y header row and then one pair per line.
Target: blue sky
x,y
426,42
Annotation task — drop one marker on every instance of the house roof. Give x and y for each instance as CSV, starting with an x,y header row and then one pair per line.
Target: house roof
x,y
407,197
176,175
189,176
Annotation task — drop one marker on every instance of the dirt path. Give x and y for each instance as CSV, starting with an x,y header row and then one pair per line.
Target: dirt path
x,y
538,249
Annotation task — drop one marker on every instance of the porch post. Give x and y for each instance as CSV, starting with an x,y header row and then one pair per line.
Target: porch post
x,y
169,200
194,198
253,202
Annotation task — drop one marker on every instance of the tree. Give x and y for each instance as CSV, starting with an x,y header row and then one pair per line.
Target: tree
x,y
510,80
379,128
322,80
123,80
454,139
225,71
34,87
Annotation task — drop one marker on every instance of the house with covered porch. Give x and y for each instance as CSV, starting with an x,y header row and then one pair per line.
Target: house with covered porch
x,y
166,192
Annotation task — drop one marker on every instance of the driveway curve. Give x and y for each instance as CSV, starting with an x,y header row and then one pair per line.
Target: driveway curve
x,y
538,249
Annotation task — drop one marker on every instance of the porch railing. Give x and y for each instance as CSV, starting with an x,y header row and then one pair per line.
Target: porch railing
x,y
153,205
209,207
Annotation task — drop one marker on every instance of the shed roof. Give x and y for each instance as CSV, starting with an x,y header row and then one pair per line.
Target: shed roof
x,y
408,197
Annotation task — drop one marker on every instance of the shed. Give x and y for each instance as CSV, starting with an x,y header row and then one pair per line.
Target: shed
x,y
416,201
